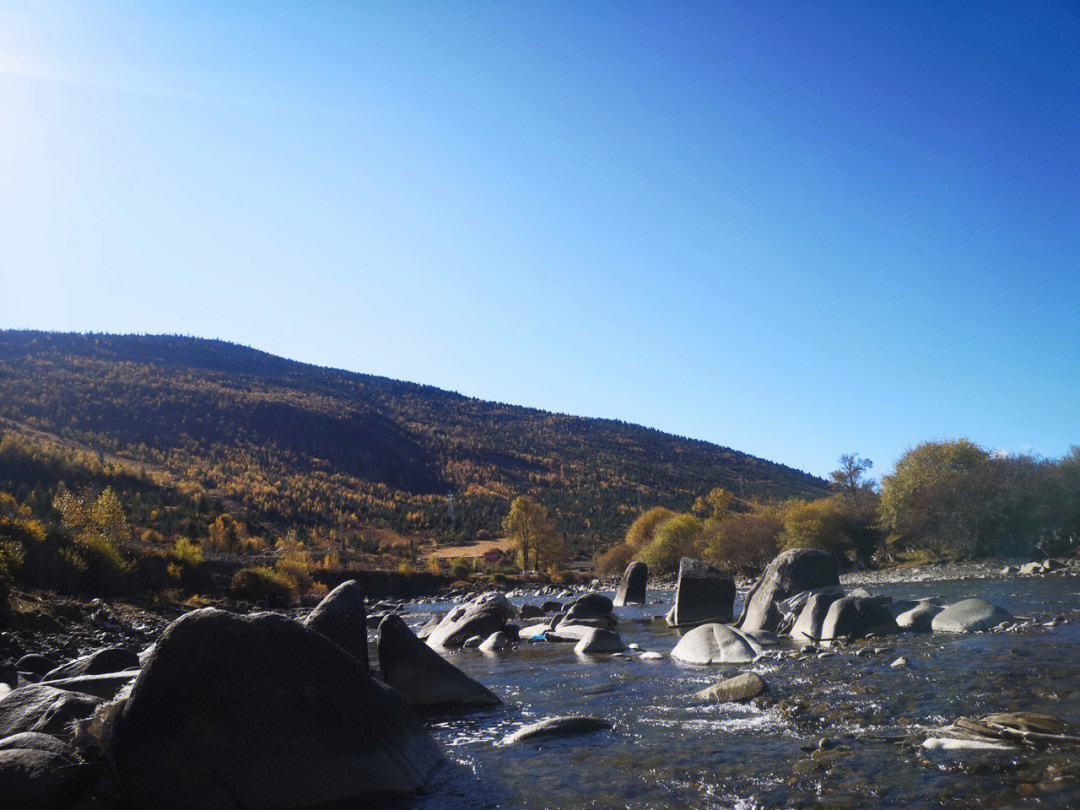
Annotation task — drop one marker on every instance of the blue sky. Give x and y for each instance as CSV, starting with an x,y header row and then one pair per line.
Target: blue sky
x,y
796,229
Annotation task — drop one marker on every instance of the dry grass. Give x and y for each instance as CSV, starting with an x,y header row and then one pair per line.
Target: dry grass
x,y
478,549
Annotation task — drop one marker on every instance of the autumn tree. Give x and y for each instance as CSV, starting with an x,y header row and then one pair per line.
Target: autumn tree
x,y
714,507
533,533
675,538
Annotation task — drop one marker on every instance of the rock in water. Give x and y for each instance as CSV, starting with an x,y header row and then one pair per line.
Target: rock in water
x,y
919,618
342,618
632,587
483,616
590,610
969,616
741,687
423,677
853,617
702,594
260,711
113,659
714,644
43,708
799,569
599,641
812,617
557,727
496,641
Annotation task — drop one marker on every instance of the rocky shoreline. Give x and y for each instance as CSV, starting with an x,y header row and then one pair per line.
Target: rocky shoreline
x,y
94,695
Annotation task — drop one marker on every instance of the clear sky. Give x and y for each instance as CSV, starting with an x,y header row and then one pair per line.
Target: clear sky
x,y
796,229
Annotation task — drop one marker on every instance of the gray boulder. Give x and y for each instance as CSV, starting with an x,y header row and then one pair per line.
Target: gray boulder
x,y
799,569
39,772
599,641
1031,568
741,687
105,686
812,616
557,727
702,594
715,644
43,708
968,616
496,641
852,617
429,626
633,585
259,711
483,616
35,664
423,677
112,659
590,610
919,618
342,618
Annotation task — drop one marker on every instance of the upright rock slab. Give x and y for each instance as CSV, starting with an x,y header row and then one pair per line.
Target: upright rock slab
x,y
702,594
799,569
259,711
342,618
423,677
633,585
812,616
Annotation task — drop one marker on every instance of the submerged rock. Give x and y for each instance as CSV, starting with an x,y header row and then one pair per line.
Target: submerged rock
x,y
633,585
702,594
557,727
260,711
342,618
969,616
423,677
741,687
714,644
799,569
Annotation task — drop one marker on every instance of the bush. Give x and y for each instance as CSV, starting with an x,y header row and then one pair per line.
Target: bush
x,y
643,530
459,569
262,583
674,539
745,541
616,558
816,524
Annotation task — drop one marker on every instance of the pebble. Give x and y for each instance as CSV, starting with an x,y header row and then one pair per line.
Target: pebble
x,y
899,662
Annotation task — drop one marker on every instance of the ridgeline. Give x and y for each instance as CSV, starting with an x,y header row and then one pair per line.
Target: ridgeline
x,y
189,428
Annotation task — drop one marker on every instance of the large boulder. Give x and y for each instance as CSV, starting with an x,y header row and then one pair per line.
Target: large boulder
x,y
483,616
423,677
39,772
112,659
702,594
969,616
812,616
43,708
35,664
852,617
590,610
259,711
715,644
342,618
105,686
599,641
632,587
799,569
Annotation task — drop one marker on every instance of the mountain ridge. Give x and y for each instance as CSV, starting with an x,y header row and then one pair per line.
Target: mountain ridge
x,y
287,438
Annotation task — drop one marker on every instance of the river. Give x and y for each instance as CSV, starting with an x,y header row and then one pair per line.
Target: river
x,y
668,751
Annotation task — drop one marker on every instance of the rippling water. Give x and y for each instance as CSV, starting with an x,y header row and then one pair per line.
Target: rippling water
x,y
666,751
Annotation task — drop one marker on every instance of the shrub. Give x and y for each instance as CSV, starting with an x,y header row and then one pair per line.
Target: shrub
x,y
459,569
674,539
262,583
616,558
816,524
643,530
745,541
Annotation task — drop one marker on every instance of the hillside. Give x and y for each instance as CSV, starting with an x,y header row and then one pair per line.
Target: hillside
x,y
286,443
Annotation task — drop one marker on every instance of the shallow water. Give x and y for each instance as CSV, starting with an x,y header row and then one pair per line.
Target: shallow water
x,y
666,751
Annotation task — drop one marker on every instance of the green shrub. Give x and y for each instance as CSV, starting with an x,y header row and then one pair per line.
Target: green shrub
x,y
674,539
